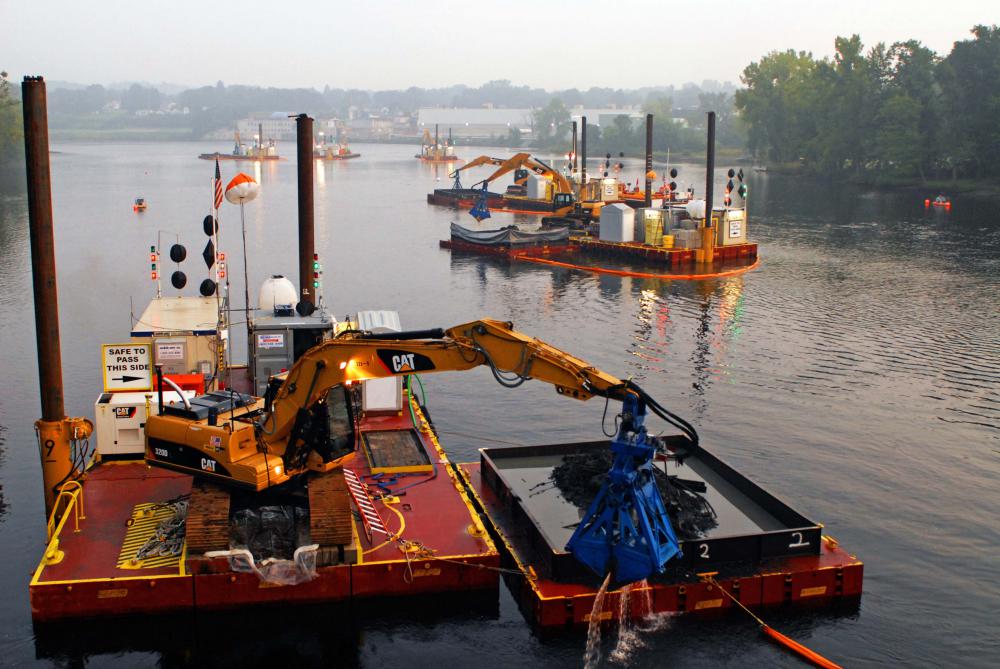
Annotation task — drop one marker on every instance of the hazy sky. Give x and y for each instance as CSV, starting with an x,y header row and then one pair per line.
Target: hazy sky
x,y
378,44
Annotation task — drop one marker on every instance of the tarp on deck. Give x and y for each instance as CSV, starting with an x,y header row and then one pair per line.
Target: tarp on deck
x,y
509,236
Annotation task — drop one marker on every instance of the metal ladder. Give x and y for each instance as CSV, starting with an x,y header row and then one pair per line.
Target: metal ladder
x,y
370,517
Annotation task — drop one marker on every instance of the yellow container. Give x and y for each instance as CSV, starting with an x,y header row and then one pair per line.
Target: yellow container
x,y
668,241
654,232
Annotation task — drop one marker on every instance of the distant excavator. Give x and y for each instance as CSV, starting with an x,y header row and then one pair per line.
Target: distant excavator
x,y
568,201
522,164
258,443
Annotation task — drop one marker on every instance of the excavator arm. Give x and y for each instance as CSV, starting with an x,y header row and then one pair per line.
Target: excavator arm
x,y
626,529
518,160
476,162
512,356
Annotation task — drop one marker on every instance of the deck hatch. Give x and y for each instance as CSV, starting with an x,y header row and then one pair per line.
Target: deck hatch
x,y
396,452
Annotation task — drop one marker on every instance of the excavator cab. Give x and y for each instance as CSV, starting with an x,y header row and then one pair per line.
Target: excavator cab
x,y
561,200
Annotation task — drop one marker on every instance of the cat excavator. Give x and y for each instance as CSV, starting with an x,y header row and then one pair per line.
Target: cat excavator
x,y
568,201
260,443
522,164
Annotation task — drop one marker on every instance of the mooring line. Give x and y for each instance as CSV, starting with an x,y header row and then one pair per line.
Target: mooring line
x,y
791,644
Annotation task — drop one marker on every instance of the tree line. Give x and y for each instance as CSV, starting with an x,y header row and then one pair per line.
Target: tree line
x,y
888,112
677,129
209,108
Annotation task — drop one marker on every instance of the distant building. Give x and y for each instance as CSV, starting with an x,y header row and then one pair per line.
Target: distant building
x,y
486,122
606,116
474,122
372,127
276,125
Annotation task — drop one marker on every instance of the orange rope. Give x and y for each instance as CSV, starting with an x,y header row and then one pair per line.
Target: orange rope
x,y
790,644
641,275
796,647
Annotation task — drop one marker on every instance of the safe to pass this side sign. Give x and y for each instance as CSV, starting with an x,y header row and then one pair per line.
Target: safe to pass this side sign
x,y
127,367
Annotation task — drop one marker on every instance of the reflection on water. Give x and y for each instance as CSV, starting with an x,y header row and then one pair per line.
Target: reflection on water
x,y
855,374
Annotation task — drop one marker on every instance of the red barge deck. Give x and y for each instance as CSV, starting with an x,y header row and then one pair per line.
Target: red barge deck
x,y
80,573
231,156
466,199
737,255
448,159
336,156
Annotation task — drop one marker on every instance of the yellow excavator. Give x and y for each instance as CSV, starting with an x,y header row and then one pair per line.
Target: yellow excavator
x,y
568,202
261,443
522,164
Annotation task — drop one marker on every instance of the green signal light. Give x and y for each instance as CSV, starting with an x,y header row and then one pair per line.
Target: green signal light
x,y
315,284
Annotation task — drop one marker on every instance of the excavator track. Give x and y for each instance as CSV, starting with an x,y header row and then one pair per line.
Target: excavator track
x,y
331,521
208,518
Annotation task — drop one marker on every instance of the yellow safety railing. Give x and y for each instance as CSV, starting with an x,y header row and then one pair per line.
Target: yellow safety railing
x,y
72,492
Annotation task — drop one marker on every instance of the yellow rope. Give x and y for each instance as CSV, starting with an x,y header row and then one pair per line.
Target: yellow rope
x,y
397,535
708,579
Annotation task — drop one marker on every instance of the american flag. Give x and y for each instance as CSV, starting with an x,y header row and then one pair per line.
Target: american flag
x,y
218,185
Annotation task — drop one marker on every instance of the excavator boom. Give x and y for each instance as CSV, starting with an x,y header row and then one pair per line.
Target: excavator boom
x,y
517,161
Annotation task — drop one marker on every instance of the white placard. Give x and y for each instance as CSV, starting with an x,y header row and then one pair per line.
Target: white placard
x,y
126,367
169,351
271,340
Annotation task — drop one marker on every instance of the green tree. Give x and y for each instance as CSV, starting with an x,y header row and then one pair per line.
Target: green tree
x,y
846,116
551,122
514,136
620,135
911,69
970,81
11,125
777,104
897,146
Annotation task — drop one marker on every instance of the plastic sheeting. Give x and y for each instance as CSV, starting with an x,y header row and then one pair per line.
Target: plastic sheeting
x,y
509,236
301,568
273,542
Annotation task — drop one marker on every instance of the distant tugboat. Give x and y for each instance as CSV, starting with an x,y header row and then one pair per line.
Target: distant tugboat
x,y
335,150
260,150
139,205
432,151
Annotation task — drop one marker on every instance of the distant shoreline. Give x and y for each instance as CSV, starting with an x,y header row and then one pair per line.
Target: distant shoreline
x,y
895,183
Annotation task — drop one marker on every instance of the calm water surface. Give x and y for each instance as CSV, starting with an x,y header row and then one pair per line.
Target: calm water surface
x,y
855,374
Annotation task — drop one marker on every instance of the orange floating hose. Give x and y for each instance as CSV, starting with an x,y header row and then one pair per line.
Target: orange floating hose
x,y
790,644
640,275
796,647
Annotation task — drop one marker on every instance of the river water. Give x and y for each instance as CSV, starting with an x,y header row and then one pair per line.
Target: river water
x,y
855,374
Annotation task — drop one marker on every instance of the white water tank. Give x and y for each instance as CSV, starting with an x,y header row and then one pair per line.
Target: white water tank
x,y
695,209
537,187
385,394
277,296
617,223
